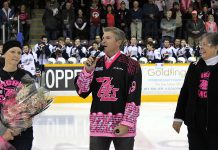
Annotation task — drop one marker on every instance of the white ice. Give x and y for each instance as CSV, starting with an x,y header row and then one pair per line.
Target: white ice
x,y
66,127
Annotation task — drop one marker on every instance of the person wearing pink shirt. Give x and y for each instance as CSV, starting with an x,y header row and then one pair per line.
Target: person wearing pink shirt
x,y
210,25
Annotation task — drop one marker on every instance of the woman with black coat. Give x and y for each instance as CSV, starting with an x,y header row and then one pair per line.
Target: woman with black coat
x,y
198,102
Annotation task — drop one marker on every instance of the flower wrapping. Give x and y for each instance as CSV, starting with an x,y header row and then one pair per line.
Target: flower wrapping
x,y
22,104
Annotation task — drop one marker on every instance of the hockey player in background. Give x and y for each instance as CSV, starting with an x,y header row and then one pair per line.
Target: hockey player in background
x,y
115,83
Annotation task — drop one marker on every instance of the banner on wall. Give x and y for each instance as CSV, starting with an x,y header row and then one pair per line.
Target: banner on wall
x,y
162,80
156,80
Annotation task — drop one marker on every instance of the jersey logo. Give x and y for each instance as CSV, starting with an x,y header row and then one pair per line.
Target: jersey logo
x,y
107,92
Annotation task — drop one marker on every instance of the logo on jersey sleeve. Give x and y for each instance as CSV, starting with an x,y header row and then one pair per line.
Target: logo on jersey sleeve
x,y
107,92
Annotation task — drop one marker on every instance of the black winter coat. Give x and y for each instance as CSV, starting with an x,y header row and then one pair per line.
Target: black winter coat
x,y
187,102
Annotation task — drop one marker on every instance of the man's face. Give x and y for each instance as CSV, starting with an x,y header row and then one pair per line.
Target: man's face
x,y
177,42
133,41
183,43
111,44
44,40
77,42
166,44
169,14
123,6
25,49
68,6
95,46
67,40
98,39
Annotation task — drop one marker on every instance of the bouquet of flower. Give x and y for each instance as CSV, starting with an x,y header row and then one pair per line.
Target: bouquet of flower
x,y
25,102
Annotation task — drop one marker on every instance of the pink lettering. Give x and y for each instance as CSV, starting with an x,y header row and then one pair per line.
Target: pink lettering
x,y
205,75
203,84
202,94
107,92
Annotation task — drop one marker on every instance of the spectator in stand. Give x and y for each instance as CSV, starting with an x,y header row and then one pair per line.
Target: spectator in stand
x,y
82,4
150,52
80,25
186,16
150,39
133,50
195,28
93,49
166,51
185,51
6,18
105,3
169,4
214,10
204,13
108,17
95,20
78,51
68,18
98,40
60,49
150,11
177,45
52,20
43,40
185,4
136,18
177,15
160,4
69,45
118,2
28,60
122,19
210,25
168,27
25,26
43,50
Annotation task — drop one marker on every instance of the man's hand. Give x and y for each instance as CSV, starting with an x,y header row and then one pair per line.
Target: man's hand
x,y
90,64
121,130
177,125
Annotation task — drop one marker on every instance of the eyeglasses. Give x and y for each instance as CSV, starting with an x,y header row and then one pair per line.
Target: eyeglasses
x,y
204,44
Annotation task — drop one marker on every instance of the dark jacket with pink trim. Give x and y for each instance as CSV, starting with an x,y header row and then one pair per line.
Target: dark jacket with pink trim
x,y
187,103
116,95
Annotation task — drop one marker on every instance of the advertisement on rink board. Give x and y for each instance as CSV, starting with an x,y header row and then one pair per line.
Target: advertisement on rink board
x,y
158,80
61,78
163,80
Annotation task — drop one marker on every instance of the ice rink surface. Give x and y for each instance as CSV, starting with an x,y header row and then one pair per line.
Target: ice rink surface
x,y
66,127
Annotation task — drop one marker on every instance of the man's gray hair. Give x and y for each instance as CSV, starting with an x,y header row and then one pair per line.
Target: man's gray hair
x,y
119,34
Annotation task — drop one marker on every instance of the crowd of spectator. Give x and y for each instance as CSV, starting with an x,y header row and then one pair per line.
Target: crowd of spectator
x,y
157,30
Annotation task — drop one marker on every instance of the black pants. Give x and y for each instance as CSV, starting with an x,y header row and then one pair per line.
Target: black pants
x,y
202,140
24,140
103,143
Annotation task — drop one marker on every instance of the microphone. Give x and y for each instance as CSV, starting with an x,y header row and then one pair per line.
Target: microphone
x,y
117,131
101,48
97,53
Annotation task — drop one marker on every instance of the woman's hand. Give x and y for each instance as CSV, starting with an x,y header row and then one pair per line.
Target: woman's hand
x,y
177,125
